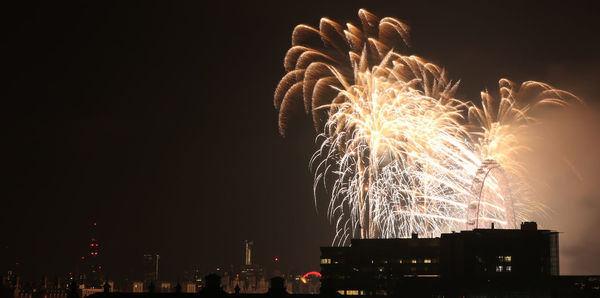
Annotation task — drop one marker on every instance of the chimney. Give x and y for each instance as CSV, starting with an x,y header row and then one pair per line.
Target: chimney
x,y
529,226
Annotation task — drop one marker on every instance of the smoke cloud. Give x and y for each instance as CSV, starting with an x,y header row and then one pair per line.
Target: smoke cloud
x,y
564,168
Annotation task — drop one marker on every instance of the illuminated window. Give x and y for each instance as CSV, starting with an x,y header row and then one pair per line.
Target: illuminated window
x,y
351,292
341,292
413,261
427,261
400,261
500,258
508,259
380,269
499,268
508,268
325,261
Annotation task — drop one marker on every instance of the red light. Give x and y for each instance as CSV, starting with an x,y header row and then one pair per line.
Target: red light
x,y
91,244
94,224
82,257
315,273
276,259
100,267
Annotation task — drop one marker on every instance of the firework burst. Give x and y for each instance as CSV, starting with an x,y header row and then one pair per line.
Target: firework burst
x,y
393,138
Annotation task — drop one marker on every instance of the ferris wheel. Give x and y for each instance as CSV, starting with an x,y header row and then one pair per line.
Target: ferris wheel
x,y
491,200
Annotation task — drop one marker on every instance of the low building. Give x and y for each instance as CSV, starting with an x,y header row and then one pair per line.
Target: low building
x,y
467,260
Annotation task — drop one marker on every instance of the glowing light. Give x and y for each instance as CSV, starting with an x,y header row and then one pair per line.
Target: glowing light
x,y
403,157
306,275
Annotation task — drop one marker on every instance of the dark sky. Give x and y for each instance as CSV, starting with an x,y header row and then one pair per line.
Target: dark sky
x,y
156,120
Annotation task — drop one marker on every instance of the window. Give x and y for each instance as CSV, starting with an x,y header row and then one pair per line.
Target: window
x,y
508,268
351,292
400,261
507,259
427,261
413,261
499,269
325,261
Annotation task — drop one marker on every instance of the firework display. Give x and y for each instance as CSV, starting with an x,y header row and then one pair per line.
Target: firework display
x,y
398,153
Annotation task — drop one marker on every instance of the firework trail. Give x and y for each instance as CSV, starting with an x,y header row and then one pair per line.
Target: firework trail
x,y
392,136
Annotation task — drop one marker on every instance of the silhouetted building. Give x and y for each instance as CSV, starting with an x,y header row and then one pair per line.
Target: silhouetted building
x,y
482,259
150,267
92,275
486,253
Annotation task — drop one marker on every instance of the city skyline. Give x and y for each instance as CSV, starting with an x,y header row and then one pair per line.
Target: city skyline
x,y
156,122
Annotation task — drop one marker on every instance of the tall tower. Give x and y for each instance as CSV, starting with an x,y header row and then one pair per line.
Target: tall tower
x,y
92,275
249,245
151,267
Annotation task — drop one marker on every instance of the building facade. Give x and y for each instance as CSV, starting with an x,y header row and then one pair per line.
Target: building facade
x,y
479,258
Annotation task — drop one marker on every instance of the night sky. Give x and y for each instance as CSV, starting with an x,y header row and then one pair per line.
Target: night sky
x,y
157,122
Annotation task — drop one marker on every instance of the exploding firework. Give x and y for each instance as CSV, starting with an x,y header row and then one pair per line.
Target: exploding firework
x,y
393,138
498,129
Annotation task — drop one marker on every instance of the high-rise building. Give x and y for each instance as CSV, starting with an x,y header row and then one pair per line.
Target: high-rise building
x,y
248,244
150,267
92,275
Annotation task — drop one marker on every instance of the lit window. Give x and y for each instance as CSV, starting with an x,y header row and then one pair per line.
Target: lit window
x,y
380,269
400,261
508,259
500,258
413,261
499,269
325,261
341,292
427,261
508,268
351,292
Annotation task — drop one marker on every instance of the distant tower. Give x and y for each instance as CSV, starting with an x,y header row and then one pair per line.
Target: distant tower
x,y
249,244
151,267
93,276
